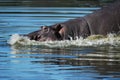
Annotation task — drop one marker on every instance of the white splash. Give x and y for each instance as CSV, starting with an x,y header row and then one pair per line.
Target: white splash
x,y
94,40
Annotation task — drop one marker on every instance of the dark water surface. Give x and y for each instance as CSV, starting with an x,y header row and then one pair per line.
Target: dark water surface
x,y
42,63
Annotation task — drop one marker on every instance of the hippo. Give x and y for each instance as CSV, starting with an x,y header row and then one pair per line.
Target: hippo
x,y
101,22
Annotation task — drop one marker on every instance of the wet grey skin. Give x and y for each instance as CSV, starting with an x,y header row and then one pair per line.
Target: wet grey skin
x,y
103,21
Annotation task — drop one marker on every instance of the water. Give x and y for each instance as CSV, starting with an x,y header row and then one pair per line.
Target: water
x,y
22,59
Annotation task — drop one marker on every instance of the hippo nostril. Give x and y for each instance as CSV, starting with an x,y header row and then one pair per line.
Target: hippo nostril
x,y
38,37
35,38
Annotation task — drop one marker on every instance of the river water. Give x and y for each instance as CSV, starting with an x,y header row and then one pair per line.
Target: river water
x,y
22,59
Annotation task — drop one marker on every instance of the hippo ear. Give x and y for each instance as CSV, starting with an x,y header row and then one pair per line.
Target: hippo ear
x,y
57,27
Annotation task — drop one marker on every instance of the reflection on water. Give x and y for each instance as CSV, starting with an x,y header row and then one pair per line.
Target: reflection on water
x,y
79,63
45,63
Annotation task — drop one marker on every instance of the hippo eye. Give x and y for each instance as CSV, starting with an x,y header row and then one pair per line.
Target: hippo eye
x,y
44,27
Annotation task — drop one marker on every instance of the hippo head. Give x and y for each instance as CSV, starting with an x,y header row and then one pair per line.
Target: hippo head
x,y
46,33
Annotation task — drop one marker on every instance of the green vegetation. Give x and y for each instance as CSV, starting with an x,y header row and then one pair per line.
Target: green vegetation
x,y
55,3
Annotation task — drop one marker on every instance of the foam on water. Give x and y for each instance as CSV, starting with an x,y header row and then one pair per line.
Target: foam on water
x,y
94,40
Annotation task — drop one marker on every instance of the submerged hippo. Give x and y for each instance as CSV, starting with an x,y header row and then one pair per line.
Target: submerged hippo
x,y
103,21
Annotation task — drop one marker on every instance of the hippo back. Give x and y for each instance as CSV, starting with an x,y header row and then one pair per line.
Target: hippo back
x,y
105,20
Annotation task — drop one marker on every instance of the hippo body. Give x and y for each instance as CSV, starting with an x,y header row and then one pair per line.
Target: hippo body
x,y
74,28
103,21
